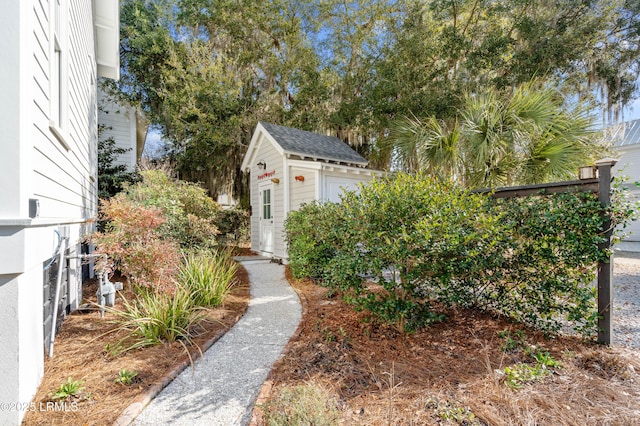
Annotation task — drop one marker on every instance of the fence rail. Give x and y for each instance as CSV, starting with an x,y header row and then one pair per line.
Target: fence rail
x,y
601,185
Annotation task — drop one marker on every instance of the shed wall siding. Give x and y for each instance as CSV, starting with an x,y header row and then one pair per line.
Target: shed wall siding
x,y
336,182
267,153
301,192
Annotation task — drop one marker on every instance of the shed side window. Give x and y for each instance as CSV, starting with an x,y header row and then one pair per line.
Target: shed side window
x,y
266,204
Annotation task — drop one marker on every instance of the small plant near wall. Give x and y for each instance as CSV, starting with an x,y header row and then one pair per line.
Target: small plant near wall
x,y
70,388
126,377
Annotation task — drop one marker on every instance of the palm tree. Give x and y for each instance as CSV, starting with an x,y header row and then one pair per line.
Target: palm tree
x,y
522,136
431,145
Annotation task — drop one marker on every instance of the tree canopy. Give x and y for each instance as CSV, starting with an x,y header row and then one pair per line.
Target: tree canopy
x,y
206,71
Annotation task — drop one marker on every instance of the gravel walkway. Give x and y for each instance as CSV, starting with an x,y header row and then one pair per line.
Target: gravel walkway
x,y
227,379
626,299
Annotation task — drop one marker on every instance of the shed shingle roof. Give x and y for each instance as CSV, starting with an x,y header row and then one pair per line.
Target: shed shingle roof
x,y
313,145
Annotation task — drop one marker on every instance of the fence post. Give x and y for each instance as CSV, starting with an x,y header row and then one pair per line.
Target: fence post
x,y
605,268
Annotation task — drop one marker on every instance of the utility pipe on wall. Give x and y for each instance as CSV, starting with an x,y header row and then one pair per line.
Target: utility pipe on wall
x,y
61,259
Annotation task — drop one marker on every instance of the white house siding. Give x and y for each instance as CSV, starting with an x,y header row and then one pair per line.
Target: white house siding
x,y
61,178
302,192
37,165
267,153
629,165
120,124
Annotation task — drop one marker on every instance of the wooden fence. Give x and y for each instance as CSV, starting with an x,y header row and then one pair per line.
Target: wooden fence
x,y
600,185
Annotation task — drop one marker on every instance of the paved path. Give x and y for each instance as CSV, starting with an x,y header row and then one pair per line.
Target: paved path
x,y
226,380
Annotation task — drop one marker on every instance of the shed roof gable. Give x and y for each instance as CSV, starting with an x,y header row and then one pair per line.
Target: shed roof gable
x,y
289,141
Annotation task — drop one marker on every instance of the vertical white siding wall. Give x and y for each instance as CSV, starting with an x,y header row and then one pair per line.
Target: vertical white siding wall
x,y
267,153
629,165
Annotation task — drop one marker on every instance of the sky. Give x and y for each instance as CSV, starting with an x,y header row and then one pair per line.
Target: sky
x,y
632,112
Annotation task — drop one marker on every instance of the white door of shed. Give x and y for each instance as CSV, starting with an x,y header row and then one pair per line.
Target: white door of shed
x,y
335,186
266,217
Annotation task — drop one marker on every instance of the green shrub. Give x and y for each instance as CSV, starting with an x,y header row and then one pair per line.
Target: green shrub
x,y
550,261
417,238
436,226
153,318
134,243
233,225
310,235
190,213
208,276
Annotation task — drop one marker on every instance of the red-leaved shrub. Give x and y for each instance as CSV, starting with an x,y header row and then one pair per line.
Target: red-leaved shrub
x,y
134,245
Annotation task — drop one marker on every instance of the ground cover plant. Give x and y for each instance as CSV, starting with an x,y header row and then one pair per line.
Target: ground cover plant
x,y
408,240
111,382
473,369
160,234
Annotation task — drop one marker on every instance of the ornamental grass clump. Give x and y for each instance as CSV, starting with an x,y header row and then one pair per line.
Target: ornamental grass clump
x,y
153,318
208,276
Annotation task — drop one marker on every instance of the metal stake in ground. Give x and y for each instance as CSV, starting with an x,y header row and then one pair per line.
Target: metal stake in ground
x,y
605,269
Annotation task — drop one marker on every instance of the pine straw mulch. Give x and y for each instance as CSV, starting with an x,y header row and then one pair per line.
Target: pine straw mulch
x,y
80,353
450,372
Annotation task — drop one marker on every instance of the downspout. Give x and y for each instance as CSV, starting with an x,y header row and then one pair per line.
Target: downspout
x,y
56,299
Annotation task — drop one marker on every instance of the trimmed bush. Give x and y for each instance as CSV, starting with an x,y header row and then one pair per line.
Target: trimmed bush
x,y
406,240
190,213
311,239
134,242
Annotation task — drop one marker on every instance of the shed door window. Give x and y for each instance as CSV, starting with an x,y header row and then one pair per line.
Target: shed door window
x,y
266,204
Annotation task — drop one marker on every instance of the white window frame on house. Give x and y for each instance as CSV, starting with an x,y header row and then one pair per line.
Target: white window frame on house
x,y
59,74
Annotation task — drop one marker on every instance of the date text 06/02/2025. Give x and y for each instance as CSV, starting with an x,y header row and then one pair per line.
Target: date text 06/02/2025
x,y
41,406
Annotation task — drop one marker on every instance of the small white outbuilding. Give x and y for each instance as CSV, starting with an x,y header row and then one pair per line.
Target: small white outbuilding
x,y
289,167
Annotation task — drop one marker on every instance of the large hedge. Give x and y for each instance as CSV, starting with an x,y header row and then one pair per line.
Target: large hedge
x,y
407,240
